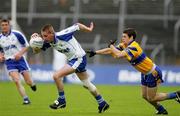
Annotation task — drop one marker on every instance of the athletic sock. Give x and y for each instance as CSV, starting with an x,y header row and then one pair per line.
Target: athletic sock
x,y
171,95
25,98
61,98
160,108
100,100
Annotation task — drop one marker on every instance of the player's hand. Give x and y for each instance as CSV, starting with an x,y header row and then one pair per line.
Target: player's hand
x,y
86,28
35,35
2,57
111,42
91,27
91,53
17,56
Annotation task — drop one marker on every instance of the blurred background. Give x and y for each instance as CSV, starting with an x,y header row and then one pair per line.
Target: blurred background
x,y
157,23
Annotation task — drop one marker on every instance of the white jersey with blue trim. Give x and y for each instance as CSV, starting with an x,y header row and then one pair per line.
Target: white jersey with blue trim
x,y
66,43
12,43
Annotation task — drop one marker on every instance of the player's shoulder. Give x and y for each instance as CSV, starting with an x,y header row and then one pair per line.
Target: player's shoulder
x,y
16,32
134,46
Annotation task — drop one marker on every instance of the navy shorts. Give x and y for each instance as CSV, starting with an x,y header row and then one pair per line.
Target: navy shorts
x,y
17,65
151,79
79,64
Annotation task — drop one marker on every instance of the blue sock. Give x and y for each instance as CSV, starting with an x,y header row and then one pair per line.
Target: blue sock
x,y
61,98
172,95
100,100
160,108
25,98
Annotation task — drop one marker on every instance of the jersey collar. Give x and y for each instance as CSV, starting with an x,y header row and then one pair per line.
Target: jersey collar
x,y
7,34
130,42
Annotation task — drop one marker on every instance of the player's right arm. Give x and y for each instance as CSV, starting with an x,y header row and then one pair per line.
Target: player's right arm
x,y
104,51
2,58
86,28
117,53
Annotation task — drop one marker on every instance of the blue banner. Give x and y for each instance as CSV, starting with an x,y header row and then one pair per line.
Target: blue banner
x,y
106,74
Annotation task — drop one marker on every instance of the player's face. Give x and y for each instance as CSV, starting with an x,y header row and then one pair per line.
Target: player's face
x,y
5,27
125,39
47,36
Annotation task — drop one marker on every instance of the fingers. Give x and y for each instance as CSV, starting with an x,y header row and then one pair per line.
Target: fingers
x,y
34,35
91,53
111,42
91,26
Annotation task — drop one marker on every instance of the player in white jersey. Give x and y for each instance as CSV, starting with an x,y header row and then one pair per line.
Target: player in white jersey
x,y
13,45
65,42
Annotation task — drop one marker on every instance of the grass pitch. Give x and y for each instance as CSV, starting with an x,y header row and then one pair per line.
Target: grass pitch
x,y
123,100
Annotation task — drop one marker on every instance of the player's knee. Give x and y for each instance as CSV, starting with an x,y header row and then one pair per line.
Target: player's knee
x,y
151,99
55,76
88,85
16,80
29,82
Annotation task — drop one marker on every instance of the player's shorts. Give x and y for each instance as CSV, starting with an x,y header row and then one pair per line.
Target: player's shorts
x,y
79,64
151,80
17,65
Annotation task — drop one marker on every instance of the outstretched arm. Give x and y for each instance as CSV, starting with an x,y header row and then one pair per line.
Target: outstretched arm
x,y
104,51
116,53
86,28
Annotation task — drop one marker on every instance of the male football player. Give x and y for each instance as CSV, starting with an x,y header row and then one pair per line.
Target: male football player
x,y
13,45
151,75
65,42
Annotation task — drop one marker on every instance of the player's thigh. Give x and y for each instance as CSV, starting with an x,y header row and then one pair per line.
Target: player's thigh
x,y
82,75
151,92
26,75
64,71
14,75
144,91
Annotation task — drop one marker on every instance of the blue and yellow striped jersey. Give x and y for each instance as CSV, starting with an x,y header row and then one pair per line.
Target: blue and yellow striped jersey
x,y
137,58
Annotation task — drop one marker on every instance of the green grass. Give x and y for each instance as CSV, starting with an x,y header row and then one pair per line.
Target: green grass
x,y
123,100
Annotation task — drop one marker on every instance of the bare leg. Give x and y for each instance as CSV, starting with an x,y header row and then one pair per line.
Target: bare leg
x,y
154,96
145,96
58,75
15,77
27,78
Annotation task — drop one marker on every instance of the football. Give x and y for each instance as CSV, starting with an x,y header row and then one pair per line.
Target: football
x,y
36,41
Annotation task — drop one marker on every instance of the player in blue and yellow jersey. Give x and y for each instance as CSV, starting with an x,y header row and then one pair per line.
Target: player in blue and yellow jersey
x,y
151,75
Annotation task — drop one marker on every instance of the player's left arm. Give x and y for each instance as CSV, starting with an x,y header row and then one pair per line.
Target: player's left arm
x,y
20,53
104,51
117,53
85,28
24,44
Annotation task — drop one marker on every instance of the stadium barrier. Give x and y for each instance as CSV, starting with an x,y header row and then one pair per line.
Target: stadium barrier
x,y
104,74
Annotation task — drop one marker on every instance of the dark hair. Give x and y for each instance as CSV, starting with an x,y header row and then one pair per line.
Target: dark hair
x,y
130,32
4,20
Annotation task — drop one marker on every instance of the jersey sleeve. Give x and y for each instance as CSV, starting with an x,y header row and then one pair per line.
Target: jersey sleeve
x,y
21,38
130,52
67,33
